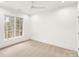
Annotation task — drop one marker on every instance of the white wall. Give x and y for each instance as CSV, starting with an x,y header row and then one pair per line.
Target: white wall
x,y
77,28
56,27
5,42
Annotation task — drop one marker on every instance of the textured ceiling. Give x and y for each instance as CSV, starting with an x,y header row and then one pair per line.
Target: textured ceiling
x,y
25,6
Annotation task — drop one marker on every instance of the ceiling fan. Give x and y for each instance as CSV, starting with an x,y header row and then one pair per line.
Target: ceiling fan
x,y
33,6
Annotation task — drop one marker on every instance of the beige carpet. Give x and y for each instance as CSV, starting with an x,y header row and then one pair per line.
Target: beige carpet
x,y
33,48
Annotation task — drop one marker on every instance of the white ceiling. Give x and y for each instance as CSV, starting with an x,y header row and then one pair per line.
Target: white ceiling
x,y
25,6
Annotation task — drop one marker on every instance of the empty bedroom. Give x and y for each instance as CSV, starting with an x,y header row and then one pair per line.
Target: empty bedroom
x,y
39,28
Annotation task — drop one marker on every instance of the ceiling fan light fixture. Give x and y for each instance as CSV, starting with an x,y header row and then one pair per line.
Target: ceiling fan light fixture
x,y
62,1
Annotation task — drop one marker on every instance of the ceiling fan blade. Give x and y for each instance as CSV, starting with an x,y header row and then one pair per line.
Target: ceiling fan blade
x,y
37,7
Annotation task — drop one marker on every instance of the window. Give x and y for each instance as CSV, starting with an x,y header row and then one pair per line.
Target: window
x,y
9,26
13,26
19,22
